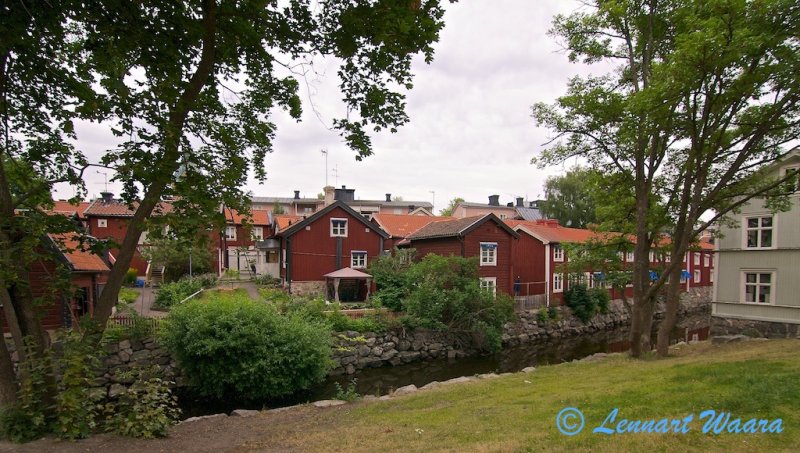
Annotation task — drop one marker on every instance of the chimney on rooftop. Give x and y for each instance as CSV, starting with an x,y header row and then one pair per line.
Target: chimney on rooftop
x,y
510,204
296,194
494,200
520,202
329,194
107,197
411,208
388,197
344,194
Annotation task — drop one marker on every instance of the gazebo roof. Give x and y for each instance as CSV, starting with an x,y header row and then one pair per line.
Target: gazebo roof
x,y
347,272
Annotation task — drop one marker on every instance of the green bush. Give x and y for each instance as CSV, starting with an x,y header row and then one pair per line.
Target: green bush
x,y
267,280
130,277
170,294
552,313
228,344
391,278
28,418
601,299
76,405
447,295
543,315
580,302
146,409
350,394
128,296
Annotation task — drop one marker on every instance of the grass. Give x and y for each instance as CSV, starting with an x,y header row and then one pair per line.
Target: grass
x,y
517,412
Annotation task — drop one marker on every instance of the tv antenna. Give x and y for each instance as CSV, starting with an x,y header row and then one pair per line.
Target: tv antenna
x,y
325,152
105,176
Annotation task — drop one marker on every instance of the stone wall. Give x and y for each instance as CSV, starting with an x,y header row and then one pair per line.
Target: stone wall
x,y
114,376
308,289
751,328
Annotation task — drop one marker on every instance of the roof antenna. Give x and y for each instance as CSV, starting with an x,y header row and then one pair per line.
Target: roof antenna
x,y
105,174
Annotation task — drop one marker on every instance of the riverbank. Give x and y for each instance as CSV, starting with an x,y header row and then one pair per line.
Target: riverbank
x,y
518,411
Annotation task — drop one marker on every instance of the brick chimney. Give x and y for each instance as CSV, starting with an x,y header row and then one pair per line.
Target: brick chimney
x,y
296,194
520,202
107,197
388,197
494,200
329,194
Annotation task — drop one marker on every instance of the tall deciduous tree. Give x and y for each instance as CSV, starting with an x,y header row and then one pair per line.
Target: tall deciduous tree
x,y
570,198
703,95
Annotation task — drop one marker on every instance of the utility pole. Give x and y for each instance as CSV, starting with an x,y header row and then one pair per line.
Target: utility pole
x,y
325,152
336,174
433,203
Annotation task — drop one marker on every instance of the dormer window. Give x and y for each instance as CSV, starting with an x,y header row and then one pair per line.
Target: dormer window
x,y
558,253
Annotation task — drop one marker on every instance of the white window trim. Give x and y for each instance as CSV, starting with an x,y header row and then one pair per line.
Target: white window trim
x,y
696,258
697,276
558,278
774,230
706,260
742,285
102,223
229,237
558,253
493,281
353,263
345,227
260,235
629,257
492,254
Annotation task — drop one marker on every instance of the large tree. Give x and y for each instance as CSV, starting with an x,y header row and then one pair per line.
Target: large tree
x,y
187,85
570,197
451,206
703,95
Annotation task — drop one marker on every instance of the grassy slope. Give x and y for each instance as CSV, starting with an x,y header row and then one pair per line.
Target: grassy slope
x,y
753,379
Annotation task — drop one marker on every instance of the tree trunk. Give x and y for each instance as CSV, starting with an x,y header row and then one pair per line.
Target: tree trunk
x,y
8,380
642,313
671,312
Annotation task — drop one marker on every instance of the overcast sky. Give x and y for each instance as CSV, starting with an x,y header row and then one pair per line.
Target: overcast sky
x,y
470,132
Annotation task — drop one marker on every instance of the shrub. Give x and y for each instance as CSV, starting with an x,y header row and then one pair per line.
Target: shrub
x,y
552,313
350,394
601,299
170,294
340,322
27,419
580,302
145,409
267,280
543,315
447,295
391,278
128,296
130,277
174,254
75,403
232,345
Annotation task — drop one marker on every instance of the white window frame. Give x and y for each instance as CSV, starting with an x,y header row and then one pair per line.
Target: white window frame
x,y
711,276
743,285
589,276
488,252
683,276
746,229
667,257
358,259
489,283
697,277
629,257
257,233
228,235
652,256
336,231
696,258
102,223
706,260
558,253
558,283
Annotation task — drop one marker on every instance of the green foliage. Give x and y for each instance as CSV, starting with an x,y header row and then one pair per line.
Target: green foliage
x,y
543,315
340,322
130,277
350,394
128,296
570,197
447,295
391,278
552,313
277,208
451,206
76,405
146,409
600,298
29,419
228,344
580,302
267,280
170,294
173,254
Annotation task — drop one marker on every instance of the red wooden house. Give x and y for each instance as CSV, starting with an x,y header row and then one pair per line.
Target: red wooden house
x,y
333,238
242,245
88,274
485,237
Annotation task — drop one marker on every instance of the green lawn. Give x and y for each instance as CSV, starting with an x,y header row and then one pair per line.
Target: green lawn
x,y
517,412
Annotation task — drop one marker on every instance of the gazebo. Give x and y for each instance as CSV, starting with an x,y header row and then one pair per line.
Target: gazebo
x,y
347,273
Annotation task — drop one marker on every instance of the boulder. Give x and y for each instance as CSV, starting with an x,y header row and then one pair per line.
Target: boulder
x,y
328,403
116,390
204,417
405,390
244,413
528,369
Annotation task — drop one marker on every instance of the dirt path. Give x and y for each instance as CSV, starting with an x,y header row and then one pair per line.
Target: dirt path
x,y
263,432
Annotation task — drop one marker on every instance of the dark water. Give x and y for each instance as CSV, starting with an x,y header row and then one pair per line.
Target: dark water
x,y
381,381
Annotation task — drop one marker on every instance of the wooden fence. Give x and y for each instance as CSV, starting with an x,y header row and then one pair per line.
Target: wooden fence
x,y
140,323
527,303
362,312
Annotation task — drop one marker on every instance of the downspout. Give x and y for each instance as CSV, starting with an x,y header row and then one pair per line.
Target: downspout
x,y
289,264
547,274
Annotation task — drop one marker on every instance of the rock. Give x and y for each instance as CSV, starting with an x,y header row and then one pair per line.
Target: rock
x,y
385,398
351,334
408,389
417,345
458,380
409,356
528,369
204,417
364,350
115,390
124,344
403,345
348,360
452,354
371,342
138,356
350,369
328,403
124,356
388,354
722,339
435,347
431,385
488,376
244,413
367,362
369,398
377,351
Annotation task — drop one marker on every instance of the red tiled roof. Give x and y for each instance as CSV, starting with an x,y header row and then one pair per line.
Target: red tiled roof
x,y
100,208
260,217
64,207
81,259
284,221
402,225
551,231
